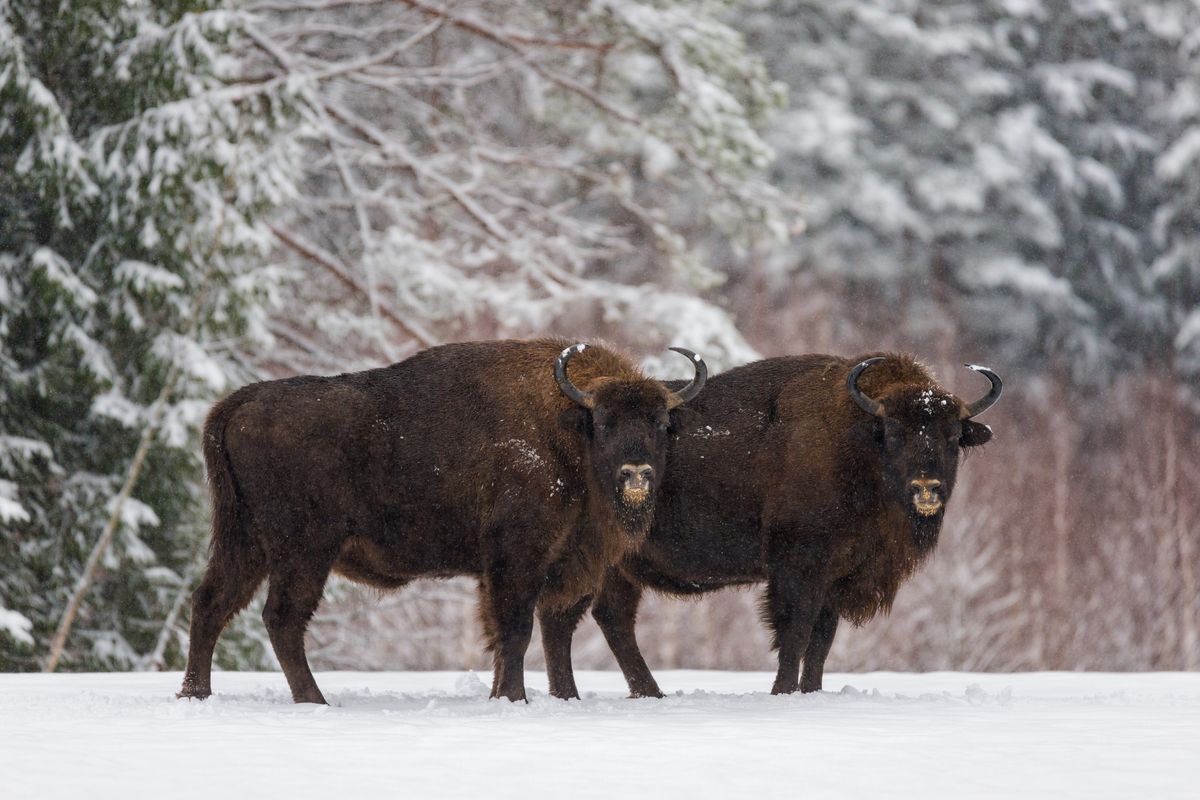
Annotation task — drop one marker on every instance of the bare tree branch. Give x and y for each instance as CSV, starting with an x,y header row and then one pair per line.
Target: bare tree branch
x,y
346,277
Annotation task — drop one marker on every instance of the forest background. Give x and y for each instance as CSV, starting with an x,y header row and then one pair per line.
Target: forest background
x,y
194,195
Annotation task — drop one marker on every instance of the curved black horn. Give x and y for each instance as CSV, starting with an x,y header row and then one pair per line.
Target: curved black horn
x,y
572,391
692,389
867,404
989,399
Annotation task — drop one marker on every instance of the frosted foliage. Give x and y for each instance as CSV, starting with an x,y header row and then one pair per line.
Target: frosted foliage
x,y
16,626
1033,281
1187,341
488,169
1181,156
10,509
133,158
116,406
1009,153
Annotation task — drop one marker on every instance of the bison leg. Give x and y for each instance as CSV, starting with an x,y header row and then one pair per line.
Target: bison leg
x,y
225,590
508,611
558,626
292,598
818,650
792,606
616,614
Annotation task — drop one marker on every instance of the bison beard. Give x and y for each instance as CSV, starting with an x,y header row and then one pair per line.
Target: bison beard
x,y
635,511
487,459
925,530
809,473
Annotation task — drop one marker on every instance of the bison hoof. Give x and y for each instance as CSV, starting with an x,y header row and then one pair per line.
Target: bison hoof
x,y
193,693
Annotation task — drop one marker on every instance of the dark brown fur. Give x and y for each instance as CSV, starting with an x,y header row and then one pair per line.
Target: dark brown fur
x,y
465,459
776,475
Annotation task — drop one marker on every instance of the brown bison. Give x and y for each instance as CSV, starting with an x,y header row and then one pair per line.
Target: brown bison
x,y
530,466
824,477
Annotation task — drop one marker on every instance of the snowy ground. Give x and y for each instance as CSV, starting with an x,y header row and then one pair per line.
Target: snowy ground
x,y
719,734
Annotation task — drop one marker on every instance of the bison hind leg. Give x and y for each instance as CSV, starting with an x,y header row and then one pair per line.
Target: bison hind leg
x,y
229,583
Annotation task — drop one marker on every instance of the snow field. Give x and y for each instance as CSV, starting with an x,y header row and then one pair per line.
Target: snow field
x,y
717,734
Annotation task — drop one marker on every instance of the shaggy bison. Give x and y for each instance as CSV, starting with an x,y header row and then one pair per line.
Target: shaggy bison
x,y
824,477
532,465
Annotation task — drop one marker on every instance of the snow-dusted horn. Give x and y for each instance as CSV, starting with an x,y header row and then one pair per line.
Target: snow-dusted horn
x,y
989,399
572,391
692,389
867,404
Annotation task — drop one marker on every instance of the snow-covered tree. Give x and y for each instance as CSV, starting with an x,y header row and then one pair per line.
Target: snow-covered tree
x,y
996,167
133,157
1175,271
483,168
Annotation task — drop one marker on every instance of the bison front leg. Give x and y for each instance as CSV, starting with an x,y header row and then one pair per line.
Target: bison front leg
x,y
558,626
616,614
292,598
792,607
818,650
508,616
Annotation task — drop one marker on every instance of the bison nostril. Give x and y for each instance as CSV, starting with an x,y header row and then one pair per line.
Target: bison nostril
x,y
634,484
635,473
926,484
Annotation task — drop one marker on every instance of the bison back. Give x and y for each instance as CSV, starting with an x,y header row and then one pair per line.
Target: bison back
x,y
416,462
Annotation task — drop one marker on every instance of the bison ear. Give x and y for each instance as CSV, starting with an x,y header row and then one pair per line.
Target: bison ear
x,y
974,434
576,419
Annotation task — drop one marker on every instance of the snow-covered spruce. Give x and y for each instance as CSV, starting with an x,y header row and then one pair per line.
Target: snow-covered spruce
x,y
132,159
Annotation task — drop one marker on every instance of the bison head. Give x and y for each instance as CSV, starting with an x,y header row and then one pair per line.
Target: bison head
x,y
920,430
626,423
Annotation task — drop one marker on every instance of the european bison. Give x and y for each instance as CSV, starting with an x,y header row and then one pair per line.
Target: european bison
x,y
824,477
526,464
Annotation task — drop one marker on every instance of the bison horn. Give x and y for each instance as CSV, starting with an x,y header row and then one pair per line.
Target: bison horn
x,y
989,399
867,404
692,389
572,391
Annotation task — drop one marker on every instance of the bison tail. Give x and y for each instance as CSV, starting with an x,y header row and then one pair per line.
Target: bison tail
x,y
229,542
